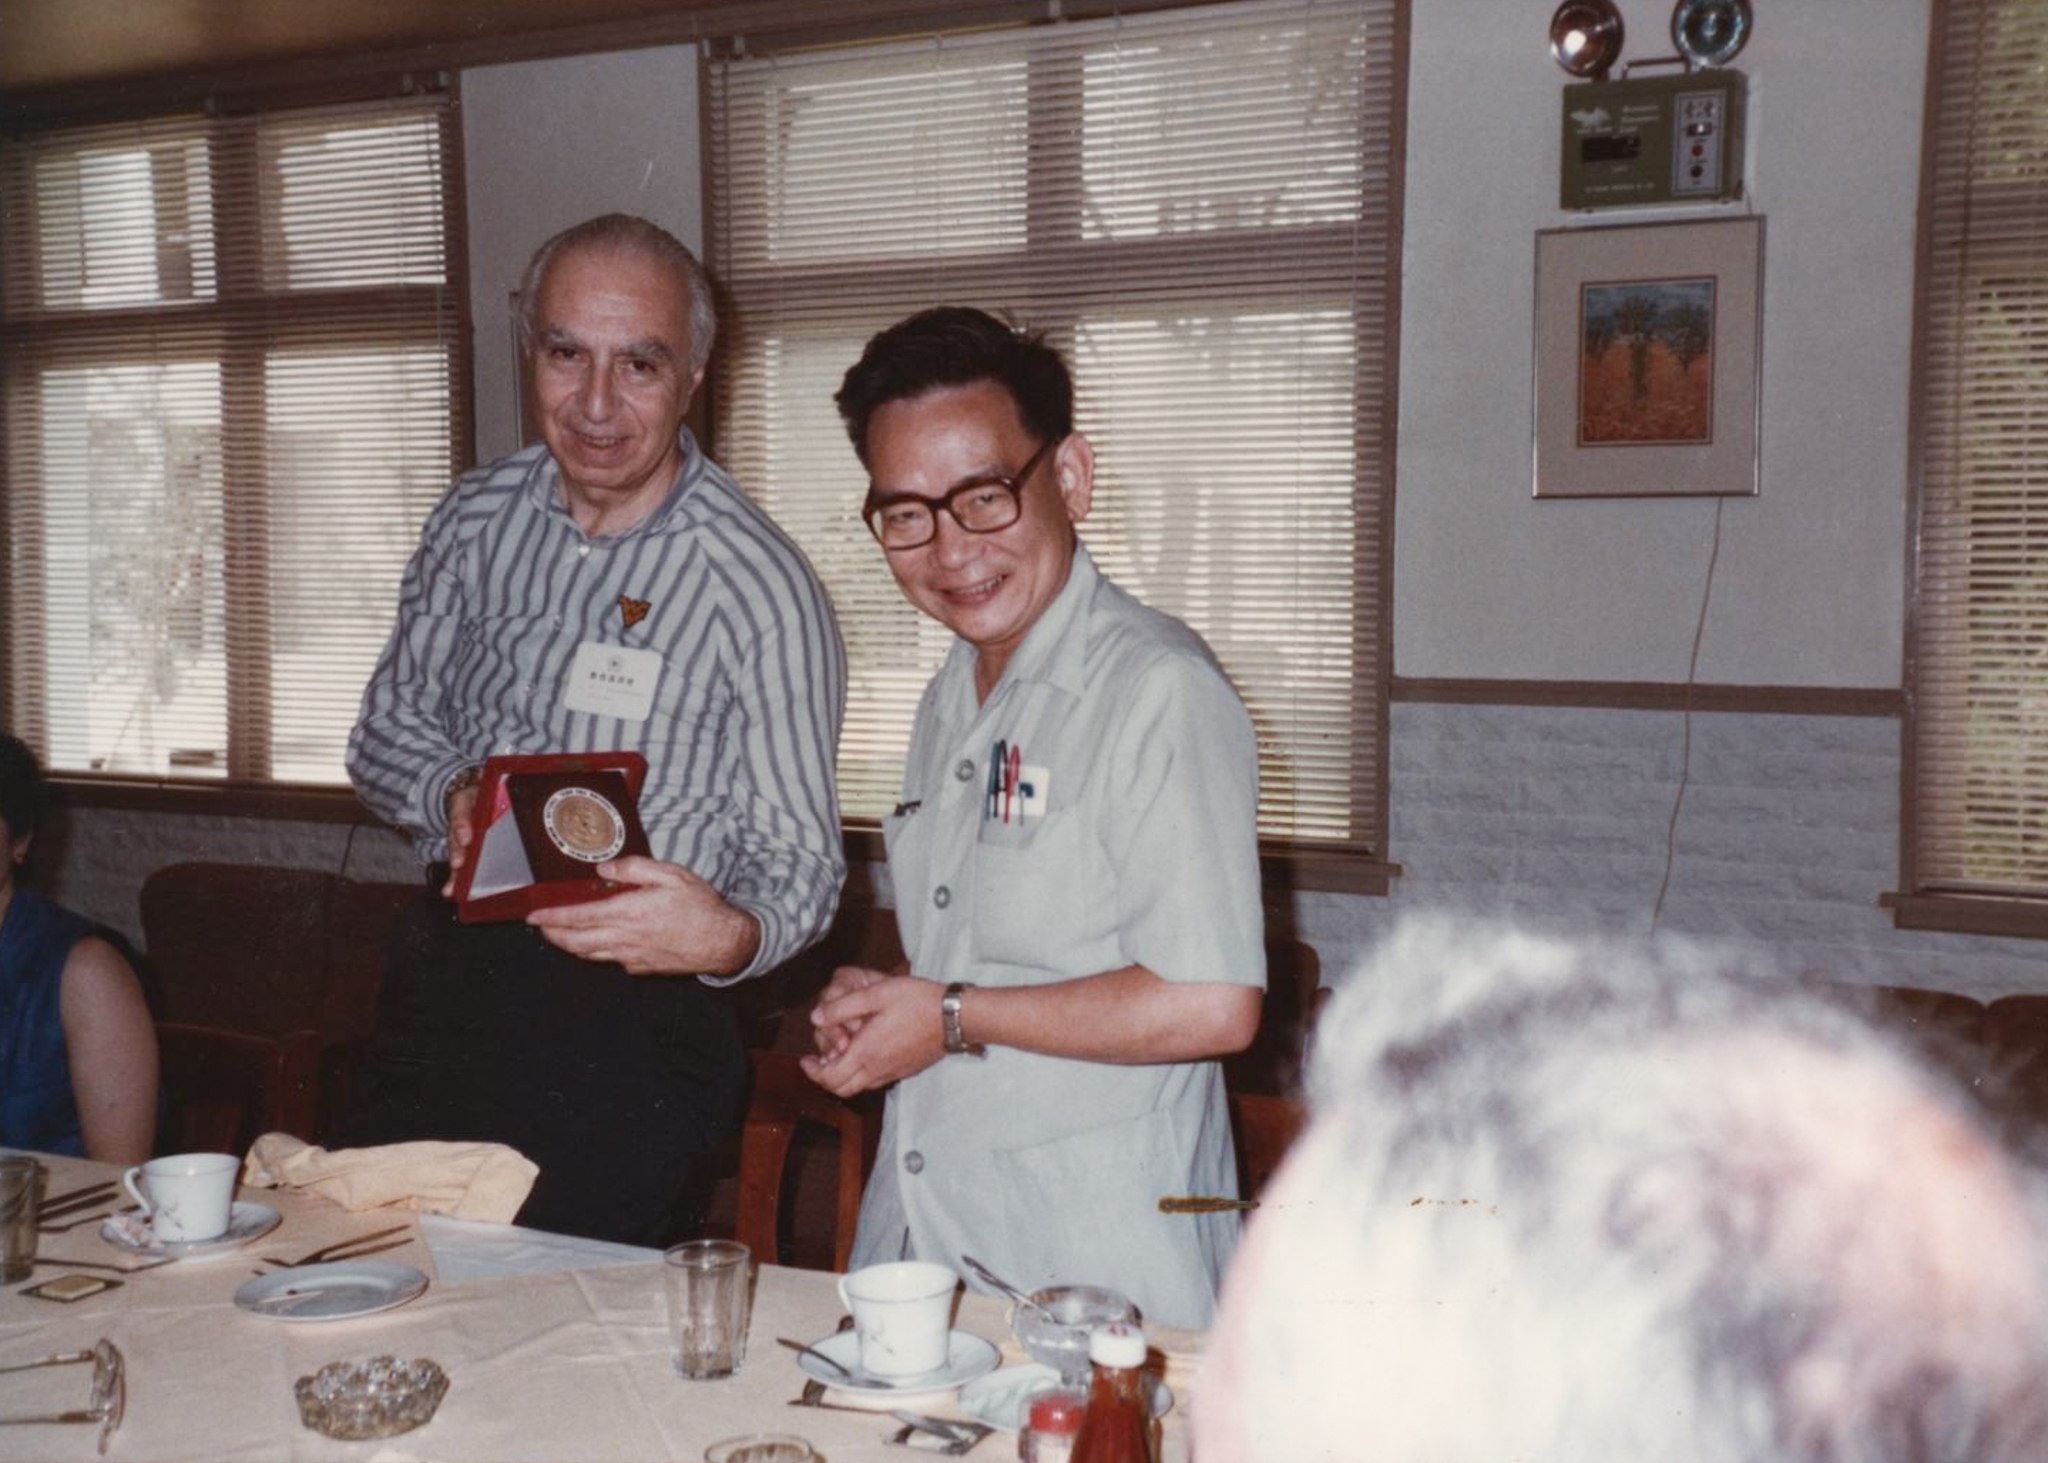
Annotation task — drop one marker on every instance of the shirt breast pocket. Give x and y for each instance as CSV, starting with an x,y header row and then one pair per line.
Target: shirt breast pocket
x,y
1032,878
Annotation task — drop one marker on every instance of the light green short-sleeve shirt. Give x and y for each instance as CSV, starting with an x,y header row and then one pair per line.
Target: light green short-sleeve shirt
x,y
1131,840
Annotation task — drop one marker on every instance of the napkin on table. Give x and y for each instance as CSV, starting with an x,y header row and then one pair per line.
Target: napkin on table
x,y
486,1181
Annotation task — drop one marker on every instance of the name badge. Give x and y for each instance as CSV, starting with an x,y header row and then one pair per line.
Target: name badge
x,y
612,680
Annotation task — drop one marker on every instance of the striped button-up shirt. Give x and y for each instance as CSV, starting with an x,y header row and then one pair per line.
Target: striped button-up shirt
x,y
741,740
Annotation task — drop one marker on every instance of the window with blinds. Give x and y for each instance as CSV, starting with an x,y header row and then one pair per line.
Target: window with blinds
x,y
233,352
1199,207
1977,723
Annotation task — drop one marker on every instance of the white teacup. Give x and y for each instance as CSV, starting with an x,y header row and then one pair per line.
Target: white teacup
x,y
190,1195
903,1314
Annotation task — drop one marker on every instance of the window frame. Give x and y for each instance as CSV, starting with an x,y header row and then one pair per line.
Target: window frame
x,y
1924,900
243,337
1287,864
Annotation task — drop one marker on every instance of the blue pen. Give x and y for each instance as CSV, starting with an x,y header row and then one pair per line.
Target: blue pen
x,y
998,755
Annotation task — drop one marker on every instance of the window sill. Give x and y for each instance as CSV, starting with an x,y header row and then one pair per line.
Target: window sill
x,y
297,802
1968,914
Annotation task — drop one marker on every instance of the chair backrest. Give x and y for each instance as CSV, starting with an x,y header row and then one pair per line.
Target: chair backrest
x,y
1272,1063
222,1089
1265,1127
782,1098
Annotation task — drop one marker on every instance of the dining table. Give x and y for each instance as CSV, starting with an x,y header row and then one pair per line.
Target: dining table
x,y
555,1347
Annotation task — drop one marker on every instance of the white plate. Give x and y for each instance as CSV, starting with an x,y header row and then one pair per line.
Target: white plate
x,y
967,1357
999,1398
331,1292
246,1221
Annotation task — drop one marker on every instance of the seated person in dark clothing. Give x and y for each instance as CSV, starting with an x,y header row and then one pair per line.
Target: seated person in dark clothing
x,y
77,1046
592,1038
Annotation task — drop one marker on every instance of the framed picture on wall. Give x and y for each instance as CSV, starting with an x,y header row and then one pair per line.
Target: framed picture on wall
x,y
1647,359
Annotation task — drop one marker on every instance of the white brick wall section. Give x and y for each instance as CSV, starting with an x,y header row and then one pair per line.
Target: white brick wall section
x,y
1554,816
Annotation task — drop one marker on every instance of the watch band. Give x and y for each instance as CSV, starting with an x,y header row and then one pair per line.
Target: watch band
x,y
462,781
957,1043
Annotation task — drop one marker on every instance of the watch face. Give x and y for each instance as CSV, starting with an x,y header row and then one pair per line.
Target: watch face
x,y
583,824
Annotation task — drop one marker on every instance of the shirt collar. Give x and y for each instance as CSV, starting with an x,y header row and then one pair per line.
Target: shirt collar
x,y
1055,649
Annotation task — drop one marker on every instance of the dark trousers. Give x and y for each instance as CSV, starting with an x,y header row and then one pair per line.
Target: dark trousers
x,y
617,1086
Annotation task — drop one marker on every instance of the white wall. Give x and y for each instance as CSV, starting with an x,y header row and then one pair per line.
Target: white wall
x,y
550,143
1808,587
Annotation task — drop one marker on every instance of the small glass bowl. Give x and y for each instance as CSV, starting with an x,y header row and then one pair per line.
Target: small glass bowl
x,y
1058,1336
762,1448
377,1398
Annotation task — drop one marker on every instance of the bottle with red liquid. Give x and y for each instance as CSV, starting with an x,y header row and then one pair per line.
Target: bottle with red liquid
x,y
1117,1426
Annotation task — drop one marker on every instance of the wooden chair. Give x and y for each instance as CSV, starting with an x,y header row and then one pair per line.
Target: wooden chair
x,y
782,1099
222,1089
1272,1063
1265,1127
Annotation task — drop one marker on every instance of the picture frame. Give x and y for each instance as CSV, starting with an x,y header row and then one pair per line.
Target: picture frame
x,y
1648,355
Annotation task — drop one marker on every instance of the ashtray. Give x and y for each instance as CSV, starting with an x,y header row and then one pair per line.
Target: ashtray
x,y
1056,1331
378,1398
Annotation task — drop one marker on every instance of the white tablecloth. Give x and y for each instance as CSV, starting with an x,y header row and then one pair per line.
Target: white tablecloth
x,y
556,1348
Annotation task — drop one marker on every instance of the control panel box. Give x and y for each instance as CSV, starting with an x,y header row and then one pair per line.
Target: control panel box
x,y
1663,139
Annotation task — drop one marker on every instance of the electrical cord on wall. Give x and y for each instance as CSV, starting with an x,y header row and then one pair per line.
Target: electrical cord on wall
x,y
1685,754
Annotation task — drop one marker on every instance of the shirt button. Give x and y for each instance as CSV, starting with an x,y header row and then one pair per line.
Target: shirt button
x,y
583,551
914,1161
942,896
964,771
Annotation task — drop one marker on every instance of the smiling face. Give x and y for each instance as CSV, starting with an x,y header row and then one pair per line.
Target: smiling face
x,y
987,588
611,373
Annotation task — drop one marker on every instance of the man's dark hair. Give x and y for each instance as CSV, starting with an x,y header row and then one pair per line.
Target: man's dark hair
x,y
21,787
956,345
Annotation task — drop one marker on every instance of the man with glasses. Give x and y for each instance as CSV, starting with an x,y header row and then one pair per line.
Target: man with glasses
x,y
1075,860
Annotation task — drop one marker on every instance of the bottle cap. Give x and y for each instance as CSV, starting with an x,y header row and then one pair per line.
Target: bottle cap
x,y
1057,1410
1117,1344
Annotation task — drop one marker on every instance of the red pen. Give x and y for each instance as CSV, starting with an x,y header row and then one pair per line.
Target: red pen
x,y
1010,779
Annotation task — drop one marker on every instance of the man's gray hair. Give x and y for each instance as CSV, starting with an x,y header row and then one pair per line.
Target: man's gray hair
x,y
625,233
1568,1203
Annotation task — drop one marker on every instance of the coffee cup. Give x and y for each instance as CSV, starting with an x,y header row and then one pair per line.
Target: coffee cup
x,y
902,1314
185,1196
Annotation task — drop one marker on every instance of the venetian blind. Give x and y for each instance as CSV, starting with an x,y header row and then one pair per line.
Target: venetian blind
x,y
1978,723
1198,207
232,350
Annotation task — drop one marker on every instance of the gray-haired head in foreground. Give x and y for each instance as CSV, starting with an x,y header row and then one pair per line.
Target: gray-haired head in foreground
x,y
624,233
1574,1203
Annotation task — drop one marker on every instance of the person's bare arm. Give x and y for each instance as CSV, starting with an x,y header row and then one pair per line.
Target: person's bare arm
x,y
110,1043
889,1028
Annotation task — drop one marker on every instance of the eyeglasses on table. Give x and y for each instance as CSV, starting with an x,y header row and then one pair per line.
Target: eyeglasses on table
x,y
109,1398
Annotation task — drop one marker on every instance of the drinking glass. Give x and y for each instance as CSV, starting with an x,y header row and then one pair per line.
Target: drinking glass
x,y
21,1188
710,1298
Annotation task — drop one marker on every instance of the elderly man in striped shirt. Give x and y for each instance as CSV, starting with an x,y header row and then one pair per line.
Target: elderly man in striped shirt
x,y
591,1037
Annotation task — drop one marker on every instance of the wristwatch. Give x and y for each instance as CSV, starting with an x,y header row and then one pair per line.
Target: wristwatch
x,y
462,781
957,1044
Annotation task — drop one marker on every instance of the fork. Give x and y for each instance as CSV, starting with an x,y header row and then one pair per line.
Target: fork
x,y
330,1252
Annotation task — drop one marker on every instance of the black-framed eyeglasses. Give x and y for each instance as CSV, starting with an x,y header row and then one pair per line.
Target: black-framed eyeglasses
x,y
980,505
106,1403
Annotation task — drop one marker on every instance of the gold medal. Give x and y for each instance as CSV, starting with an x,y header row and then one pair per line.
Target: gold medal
x,y
583,824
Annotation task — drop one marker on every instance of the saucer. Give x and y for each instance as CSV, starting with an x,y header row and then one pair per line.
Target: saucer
x,y
967,1357
1001,1397
334,1291
246,1221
